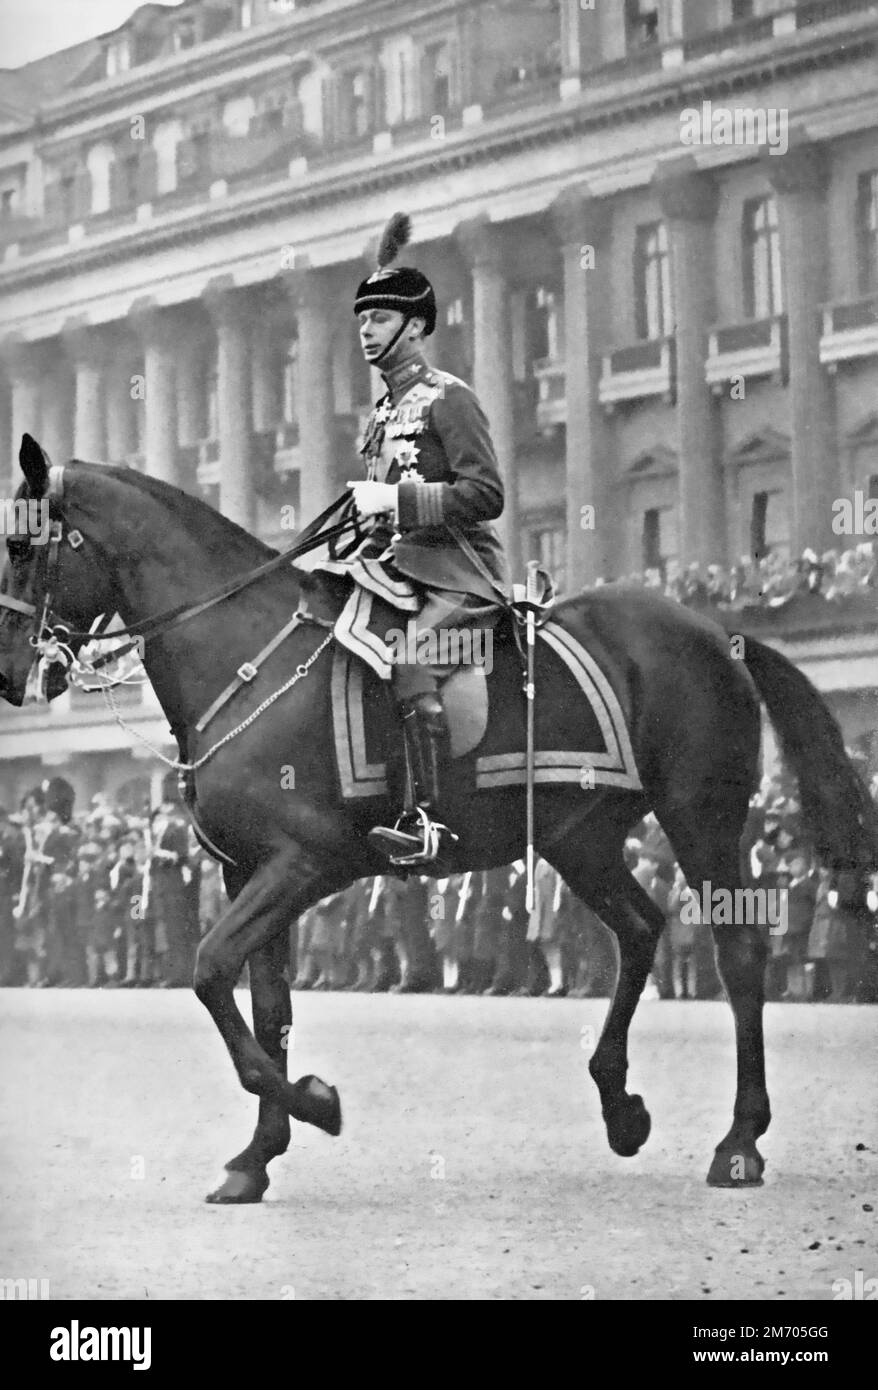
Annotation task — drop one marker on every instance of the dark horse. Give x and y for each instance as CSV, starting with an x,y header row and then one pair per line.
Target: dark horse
x,y
136,546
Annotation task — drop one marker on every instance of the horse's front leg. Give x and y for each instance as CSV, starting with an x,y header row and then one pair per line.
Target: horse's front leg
x,y
279,890
246,1174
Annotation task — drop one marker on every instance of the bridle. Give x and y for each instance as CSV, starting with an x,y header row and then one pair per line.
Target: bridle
x,y
52,637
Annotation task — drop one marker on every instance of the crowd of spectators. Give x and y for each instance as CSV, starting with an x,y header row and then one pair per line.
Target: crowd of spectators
x,y
771,581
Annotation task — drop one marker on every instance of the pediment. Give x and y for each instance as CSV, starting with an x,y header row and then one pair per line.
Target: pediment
x,y
655,462
866,431
762,446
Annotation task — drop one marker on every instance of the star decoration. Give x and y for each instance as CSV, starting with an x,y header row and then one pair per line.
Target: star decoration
x,y
406,453
381,413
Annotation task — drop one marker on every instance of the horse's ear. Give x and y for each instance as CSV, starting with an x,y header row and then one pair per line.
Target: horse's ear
x,y
35,465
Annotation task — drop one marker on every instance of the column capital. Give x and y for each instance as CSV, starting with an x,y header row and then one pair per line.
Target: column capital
x,y
803,169
685,193
228,306
21,357
83,342
480,242
578,217
153,325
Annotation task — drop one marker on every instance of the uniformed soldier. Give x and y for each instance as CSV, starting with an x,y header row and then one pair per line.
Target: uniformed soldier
x,y
65,951
433,487
11,869
171,905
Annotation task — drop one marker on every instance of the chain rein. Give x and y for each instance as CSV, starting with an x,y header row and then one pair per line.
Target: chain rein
x,y
300,673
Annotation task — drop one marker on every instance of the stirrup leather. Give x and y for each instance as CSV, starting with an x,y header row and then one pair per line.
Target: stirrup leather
x,y
406,848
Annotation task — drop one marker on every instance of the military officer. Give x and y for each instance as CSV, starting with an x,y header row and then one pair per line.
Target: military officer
x,y
433,487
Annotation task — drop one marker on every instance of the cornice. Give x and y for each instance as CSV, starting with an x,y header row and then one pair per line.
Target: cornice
x,y
627,101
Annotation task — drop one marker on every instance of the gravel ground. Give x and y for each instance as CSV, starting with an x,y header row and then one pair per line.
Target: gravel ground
x,y
473,1162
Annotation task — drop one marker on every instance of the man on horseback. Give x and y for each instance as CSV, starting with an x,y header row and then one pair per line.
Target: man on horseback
x,y
432,487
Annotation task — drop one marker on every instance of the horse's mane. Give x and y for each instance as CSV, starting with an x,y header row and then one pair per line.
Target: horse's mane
x,y
205,521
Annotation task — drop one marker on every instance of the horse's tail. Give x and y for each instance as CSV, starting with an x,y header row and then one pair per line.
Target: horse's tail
x,y
838,811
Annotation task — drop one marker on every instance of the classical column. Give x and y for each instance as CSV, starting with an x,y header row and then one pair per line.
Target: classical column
x,y
58,394
689,202
118,387
799,179
24,365
85,347
158,330
312,298
230,310
481,246
581,224
191,424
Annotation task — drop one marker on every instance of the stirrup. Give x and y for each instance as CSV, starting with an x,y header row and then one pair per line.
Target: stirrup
x,y
405,848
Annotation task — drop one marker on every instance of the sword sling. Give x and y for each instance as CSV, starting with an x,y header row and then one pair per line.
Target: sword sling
x,y
531,595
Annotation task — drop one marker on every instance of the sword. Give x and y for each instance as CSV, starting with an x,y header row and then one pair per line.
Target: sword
x,y
531,595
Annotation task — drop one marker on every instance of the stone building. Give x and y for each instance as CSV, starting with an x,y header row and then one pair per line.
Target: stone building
x,y
652,225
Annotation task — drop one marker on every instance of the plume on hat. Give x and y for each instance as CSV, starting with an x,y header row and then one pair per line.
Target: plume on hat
x,y
395,236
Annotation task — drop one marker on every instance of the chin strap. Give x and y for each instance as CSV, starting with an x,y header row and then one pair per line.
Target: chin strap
x,y
391,345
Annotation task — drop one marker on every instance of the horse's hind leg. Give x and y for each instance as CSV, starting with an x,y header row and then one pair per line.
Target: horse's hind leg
x,y
637,923
705,840
247,1176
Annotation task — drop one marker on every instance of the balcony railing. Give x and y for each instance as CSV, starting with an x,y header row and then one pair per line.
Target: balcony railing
x,y
757,348
638,372
732,36
850,331
822,11
551,377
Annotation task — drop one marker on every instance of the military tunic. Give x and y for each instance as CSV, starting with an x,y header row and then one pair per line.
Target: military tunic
x,y
430,437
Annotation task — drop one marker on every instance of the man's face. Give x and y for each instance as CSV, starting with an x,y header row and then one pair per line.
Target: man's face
x,y
378,327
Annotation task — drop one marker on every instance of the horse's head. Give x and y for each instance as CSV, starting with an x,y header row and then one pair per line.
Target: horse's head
x,y
54,578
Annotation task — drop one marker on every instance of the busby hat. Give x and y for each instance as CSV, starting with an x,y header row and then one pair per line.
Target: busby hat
x,y
398,287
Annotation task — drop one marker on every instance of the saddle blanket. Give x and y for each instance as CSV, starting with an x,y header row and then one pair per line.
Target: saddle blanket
x,y
581,737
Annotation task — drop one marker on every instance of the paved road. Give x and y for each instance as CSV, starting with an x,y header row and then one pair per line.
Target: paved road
x,y
473,1162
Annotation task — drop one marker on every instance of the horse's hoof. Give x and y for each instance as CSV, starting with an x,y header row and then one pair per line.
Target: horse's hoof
x,y
317,1104
628,1126
736,1168
238,1187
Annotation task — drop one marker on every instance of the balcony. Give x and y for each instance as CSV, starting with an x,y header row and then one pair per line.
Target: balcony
x,y
639,372
551,377
732,36
757,348
850,331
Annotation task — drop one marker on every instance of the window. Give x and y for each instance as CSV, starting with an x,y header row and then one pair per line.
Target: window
x,y
741,9
867,233
659,538
7,203
653,298
354,105
769,527
291,384
118,57
872,487
641,22
184,36
763,286
437,78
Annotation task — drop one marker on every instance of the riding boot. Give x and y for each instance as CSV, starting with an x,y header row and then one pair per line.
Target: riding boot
x,y
421,838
